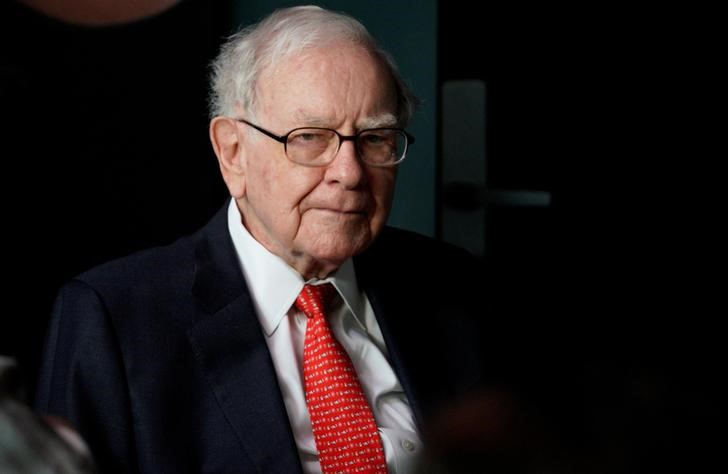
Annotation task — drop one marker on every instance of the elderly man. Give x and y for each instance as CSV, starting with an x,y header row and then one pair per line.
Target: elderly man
x,y
294,332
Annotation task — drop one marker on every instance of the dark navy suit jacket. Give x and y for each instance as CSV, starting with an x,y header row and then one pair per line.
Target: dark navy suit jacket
x,y
159,360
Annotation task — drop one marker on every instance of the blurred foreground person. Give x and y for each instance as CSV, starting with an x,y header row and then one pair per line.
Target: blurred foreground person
x,y
30,443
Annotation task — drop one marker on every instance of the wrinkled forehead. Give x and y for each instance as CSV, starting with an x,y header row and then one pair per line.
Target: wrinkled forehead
x,y
313,83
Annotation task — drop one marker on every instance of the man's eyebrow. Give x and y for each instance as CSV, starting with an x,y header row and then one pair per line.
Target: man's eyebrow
x,y
301,116
383,120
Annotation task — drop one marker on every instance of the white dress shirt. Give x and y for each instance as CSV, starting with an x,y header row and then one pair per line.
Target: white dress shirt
x,y
274,286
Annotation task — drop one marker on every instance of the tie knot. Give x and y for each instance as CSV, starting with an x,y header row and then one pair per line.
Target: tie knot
x,y
312,300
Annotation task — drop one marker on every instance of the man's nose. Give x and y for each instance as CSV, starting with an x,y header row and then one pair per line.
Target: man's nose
x,y
347,167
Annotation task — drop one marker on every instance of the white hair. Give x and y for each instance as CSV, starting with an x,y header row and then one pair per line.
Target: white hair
x,y
247,53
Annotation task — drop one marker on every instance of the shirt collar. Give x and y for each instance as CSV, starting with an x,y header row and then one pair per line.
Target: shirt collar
x,y
274,285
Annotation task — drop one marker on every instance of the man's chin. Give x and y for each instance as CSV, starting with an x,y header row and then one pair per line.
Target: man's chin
x,y
339,247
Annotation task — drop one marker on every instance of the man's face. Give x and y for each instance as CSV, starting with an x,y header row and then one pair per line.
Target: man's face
x,y
315,218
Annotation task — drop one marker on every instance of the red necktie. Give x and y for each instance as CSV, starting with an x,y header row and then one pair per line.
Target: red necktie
x,y
346,434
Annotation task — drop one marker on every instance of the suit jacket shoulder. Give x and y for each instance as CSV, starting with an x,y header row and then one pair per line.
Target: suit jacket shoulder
x,y
159,360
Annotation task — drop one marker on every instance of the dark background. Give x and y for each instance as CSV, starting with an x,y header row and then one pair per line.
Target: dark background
x,y
607,296
104,147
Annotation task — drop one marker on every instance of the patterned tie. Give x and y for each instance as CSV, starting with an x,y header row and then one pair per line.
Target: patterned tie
x,y
346,434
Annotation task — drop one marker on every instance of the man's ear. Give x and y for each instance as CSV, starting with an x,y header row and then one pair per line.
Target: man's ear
x,y
227,144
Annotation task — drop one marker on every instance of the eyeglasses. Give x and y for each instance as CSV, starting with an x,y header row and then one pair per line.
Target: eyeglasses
x,y
314,146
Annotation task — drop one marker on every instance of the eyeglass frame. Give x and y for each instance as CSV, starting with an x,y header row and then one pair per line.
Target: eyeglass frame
x,y
342,138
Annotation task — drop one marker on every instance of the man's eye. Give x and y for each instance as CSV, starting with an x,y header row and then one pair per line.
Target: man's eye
x,y
377,138
308,138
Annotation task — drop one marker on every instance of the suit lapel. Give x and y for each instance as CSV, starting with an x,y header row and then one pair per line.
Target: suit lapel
x,y
230,346
391,307
423,336
383,306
